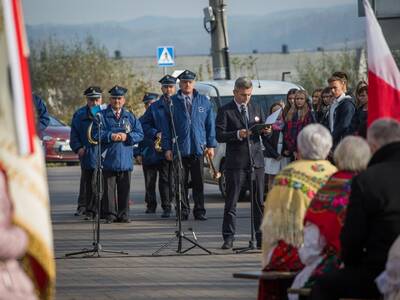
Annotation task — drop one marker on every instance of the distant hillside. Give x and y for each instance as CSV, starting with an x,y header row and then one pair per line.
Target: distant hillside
x,y
333,28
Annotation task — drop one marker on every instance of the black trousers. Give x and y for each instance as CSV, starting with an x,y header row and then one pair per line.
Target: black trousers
x,y
350,282
150,180
116,193
82,193
193,167
236,179
88,189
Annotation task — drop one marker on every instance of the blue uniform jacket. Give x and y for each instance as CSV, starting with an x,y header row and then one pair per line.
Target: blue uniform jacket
x,y
78,137
153,121
118,156
196,131
41,112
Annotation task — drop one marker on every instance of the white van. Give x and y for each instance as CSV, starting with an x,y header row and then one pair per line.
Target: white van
x,y
220,92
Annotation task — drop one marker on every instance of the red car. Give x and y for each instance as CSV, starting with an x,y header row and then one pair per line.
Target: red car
x,y
55,140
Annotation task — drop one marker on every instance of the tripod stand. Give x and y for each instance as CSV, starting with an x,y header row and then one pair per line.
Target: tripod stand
x,y
251,179
97,247
179,233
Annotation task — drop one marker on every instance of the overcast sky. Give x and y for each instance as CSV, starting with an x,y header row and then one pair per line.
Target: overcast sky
x,y
89,11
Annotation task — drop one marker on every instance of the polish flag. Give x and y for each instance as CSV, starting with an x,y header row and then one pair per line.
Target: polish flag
x,y
21,155
383,74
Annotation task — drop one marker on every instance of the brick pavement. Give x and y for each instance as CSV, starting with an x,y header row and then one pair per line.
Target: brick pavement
x,y
139,275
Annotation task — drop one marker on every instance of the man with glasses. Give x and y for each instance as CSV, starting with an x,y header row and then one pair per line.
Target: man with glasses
x,y
79,143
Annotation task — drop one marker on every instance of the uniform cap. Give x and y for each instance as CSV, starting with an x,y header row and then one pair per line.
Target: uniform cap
x,y
117,91
187,75
149,96
168,80
93,92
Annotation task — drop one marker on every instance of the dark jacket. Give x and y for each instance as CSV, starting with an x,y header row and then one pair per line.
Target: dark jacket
x,y
373,214
342,117
43,118
271,145
359,122
196,131
152,122
228,122
81,120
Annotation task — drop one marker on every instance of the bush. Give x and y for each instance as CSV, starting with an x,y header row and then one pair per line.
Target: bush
x,y
312,75
60,73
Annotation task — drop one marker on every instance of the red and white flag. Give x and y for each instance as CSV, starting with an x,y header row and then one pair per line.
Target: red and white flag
x,y
383,74
21,155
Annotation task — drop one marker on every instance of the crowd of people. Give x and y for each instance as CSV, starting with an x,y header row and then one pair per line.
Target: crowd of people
x,y
323,186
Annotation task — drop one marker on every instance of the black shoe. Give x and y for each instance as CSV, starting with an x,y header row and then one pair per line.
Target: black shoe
x,y
150,211
90,215
228,244
80,211
259,245
110,219
200,218
166,214
123,220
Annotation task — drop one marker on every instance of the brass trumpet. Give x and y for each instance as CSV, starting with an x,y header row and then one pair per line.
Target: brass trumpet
x,y
214,173
157,144
89,135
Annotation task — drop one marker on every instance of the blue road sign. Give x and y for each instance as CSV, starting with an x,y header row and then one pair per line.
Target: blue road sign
x,y
166,56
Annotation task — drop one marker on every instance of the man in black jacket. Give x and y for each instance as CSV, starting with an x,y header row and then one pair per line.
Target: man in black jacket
x,y
372,221
230,129
342,109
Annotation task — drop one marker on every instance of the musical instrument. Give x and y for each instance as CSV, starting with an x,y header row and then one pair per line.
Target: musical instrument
x,y
213,171
89,135
157,144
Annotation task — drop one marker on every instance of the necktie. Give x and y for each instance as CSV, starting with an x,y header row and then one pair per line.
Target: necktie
x,y
188,102
117,114
243,110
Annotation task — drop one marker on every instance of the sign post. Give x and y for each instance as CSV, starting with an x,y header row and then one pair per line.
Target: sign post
x,y
165,57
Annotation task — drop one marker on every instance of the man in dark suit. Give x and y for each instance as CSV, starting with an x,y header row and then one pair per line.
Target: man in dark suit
x,y
372,220
231,129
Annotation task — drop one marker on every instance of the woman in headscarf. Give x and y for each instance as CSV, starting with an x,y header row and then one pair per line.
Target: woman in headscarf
x,y
293,189
324,217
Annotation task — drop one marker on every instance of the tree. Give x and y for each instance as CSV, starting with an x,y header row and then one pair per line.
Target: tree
x,y
61,72
312,75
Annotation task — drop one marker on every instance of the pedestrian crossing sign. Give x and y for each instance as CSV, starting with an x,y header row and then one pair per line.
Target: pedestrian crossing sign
x,y
165,56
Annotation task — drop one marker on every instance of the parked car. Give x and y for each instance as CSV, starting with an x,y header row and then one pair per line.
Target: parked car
x,y
55,139
220,92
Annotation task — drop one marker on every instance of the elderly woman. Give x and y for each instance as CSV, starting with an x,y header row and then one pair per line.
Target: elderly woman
x,y
294,188
325,216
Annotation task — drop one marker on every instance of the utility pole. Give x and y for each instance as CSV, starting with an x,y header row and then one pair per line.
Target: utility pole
x,y
215,24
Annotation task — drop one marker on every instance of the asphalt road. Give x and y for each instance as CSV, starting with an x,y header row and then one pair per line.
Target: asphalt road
x,y
140,274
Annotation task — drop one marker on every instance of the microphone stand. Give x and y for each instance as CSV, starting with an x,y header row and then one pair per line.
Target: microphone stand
x,y
179,233
97,247
251,178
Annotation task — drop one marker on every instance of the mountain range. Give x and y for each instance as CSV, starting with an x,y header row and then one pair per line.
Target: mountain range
x,y
338,27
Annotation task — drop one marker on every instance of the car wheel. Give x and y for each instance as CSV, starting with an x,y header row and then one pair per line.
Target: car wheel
x,y
222,179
